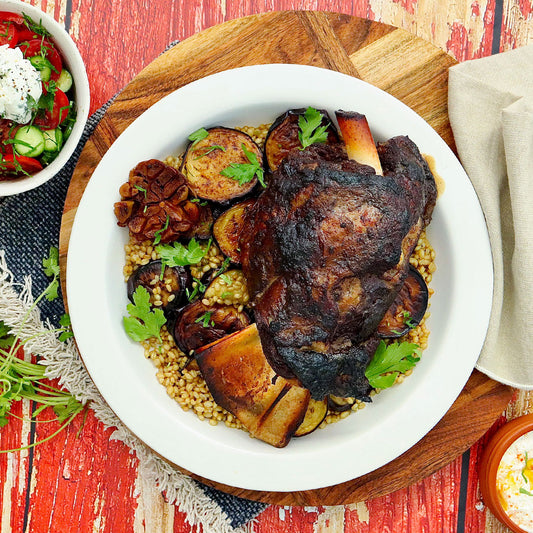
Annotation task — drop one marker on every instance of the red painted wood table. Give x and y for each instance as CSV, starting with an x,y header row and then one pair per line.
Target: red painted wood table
x,y
89,482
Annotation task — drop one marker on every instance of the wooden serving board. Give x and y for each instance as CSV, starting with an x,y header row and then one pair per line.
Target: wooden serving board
x,y
409,68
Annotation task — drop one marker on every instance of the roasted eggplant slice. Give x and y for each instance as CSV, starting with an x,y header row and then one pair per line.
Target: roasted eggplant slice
x,y
198,324
222,151
227,229
338,404
242,382
358,139
283,136
166,286
314,416
408,309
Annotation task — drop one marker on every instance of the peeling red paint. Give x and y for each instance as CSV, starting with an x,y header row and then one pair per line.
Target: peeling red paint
x,y
475,9
408,5
458,44
526,7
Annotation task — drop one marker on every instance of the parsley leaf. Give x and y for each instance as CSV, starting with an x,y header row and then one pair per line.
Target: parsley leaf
x,y
67,330
391,360
198,135
311,131
143,323
245,172
51,269
524,491
179,255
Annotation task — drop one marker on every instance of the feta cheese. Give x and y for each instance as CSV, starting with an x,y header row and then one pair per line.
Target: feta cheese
x,y
19,79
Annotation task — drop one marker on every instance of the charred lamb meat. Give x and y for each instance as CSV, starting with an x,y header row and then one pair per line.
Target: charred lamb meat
x,y
326,252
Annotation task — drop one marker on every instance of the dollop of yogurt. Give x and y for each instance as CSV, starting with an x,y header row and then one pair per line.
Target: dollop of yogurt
x,y
515,482
20,85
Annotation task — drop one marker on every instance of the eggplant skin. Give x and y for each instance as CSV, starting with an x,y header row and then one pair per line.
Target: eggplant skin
x,y
408,309
177,278
190,331
282,137
204,160
227,229
314,416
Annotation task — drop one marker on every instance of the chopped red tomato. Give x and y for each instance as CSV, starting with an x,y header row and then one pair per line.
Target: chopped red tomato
x,y
43,47
19,164
7,132
5,16
52,119
8,34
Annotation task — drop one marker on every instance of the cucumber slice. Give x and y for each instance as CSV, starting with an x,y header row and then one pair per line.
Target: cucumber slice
x,y
29,141
43,66
53,140
64,82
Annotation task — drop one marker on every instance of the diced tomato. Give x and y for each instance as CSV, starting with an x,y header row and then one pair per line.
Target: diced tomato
x,y
19,164
8,34
7,131
60,109
37,47
6,16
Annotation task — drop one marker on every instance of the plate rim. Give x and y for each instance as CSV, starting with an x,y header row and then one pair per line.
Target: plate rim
x,y
223,74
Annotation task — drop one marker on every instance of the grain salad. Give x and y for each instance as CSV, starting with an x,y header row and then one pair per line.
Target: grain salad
x,y
192,302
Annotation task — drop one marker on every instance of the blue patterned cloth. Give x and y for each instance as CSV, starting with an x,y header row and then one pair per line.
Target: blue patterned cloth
x,y
29,225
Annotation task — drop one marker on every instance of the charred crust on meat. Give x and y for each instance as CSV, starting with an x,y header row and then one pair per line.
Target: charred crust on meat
x,y
327,253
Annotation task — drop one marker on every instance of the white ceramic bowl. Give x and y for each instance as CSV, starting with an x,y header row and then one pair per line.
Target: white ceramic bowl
x,y
76,67
399,416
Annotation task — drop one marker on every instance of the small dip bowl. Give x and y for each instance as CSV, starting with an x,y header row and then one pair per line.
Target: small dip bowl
x,y
506,474
76,67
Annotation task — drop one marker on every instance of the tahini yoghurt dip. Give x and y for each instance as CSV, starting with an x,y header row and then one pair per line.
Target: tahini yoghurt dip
x,y
19,80
514,482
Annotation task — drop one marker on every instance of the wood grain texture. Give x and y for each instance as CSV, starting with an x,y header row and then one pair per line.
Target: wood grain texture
x,y
406,66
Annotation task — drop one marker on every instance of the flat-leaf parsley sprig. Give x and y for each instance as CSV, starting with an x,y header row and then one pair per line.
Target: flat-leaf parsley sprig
x,y
311,129
143,323
246,172
24,380
389,361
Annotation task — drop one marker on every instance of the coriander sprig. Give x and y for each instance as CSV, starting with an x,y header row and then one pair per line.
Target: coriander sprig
x,y
245,172
311,129
24,380
143,323
389,361
179,255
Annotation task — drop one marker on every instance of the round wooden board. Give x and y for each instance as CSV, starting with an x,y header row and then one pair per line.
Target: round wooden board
x,y
409,68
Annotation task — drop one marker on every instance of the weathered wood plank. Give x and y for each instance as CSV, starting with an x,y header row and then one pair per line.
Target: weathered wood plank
x,y
517,24
82,477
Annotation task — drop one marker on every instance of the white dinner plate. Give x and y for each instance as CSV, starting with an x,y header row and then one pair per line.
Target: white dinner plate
x,y
398,417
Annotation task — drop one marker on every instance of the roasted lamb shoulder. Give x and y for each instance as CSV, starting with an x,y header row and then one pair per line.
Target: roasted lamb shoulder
x,y
325,253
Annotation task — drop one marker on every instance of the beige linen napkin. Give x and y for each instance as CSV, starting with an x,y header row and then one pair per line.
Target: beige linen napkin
x,y
490,103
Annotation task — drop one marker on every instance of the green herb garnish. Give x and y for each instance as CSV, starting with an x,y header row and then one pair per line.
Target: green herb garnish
x,y
159,232
389,361
407,319
311,131
245,172
205,319
210,149
67,327
197,289
23,380
143,323
178,255
198,135
524,491
36,28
